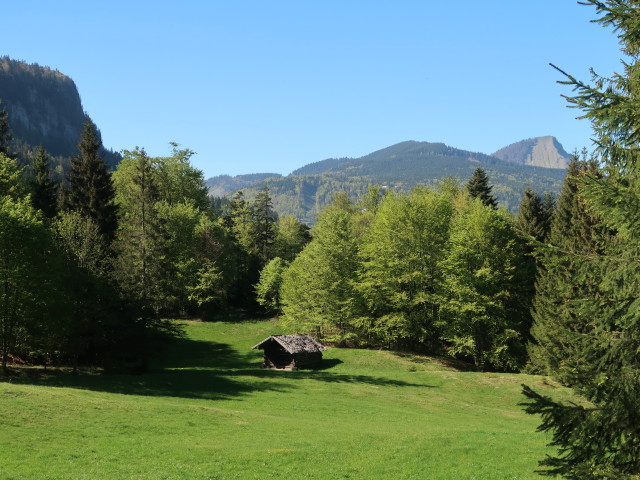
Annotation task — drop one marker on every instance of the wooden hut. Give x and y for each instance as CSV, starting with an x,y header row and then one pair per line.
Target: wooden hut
x,y
288,352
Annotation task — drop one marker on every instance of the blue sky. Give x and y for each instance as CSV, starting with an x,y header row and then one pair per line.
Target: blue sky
x,y
268,86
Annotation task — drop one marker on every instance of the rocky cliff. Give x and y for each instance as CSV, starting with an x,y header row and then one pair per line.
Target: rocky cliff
x,y
44,107
538,152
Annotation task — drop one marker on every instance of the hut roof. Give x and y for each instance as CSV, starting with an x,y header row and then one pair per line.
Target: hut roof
x,y
294,343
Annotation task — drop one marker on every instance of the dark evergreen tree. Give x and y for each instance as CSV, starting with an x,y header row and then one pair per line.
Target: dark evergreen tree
x,y
533,217
140,267
598,438
264,219
5,131
45,192
566,276
548,210
478,187
90,188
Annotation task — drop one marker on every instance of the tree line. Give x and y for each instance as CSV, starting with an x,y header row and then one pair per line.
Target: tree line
x,y
90,267
434,270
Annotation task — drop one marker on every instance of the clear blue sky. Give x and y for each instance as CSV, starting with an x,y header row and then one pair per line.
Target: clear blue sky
x,y
270,85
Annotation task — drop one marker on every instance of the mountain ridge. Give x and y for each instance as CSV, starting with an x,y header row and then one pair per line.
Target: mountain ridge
x,y
401,166
44,107
538,151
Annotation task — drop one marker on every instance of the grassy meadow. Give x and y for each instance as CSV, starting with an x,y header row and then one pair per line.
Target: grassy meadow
x,y
208,411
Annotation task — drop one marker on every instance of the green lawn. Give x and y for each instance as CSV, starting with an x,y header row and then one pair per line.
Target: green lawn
x,y
213,413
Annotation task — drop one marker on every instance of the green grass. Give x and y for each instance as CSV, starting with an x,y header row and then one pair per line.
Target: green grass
x,y
210,412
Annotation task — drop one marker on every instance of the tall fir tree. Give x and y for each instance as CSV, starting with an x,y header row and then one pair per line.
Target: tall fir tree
x,y
45,191
478,187
598,438
533,217
566,276
5,131
264,219
141,263
91,191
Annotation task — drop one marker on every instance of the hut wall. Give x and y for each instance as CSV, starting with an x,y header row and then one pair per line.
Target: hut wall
x,y
277,357
267,363
306,360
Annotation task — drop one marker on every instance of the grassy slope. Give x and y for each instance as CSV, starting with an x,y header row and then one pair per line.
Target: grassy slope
x,y
213,413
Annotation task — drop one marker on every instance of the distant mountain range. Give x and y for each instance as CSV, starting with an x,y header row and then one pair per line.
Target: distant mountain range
x,y
538,163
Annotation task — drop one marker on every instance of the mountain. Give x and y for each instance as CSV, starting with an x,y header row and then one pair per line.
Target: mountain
x,y
400,167
224,185
538,152
44,107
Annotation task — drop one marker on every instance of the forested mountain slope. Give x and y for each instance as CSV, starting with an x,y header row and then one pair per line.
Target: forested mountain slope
x,y
398,167
44,107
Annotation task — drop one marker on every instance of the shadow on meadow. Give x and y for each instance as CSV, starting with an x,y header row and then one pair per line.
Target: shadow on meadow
x,y
204,370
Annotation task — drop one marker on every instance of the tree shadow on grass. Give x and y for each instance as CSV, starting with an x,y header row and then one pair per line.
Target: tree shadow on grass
x,y
204,370
325,376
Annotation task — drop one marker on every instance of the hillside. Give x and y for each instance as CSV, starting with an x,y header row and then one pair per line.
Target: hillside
x,y
208,410
222,185
44,107
538,152
398,167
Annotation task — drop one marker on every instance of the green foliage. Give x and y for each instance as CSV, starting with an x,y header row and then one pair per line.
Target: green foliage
x,y
27,285
478,187
291,237
91,191
268,288
598,439
479,280
534,216
178,181
264,226
5,131
11,178
208,288
94,321
399,280
141,265
565,278
318,292
45,191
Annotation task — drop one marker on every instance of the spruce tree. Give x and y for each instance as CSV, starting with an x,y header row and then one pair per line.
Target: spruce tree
x,y
45,192
478,187
264,220
5,131
90,188
532,218
140,266
566,276
598,438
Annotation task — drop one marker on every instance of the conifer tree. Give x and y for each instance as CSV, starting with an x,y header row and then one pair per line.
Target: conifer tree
x,y
264,220
566,277
45,194
140,266
532,218
90,188
478,187
5,132
598,439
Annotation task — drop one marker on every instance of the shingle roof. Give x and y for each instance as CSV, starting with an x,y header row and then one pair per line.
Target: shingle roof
x,y
294,343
